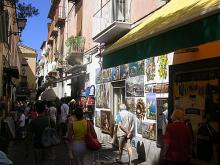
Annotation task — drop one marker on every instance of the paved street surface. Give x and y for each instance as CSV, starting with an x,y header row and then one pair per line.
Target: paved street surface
x,y
106,155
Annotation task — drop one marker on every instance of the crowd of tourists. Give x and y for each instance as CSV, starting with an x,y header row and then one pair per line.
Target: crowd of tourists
x,y
68,122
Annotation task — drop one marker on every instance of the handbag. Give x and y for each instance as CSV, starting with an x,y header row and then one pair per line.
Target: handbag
x,y
49,136
92,141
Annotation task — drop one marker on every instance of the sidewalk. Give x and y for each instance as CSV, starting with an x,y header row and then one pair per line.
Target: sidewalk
x,y
107,155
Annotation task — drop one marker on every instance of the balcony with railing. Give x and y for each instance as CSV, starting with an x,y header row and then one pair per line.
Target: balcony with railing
x,y
111,21
75,45
60,16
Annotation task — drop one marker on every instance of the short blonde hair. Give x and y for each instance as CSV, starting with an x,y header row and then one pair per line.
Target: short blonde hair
x,y
122,107
177,114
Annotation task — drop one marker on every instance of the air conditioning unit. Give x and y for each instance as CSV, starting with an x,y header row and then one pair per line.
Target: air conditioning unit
x,y
4,22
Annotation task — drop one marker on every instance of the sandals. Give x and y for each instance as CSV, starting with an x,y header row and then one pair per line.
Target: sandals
x,y
118,161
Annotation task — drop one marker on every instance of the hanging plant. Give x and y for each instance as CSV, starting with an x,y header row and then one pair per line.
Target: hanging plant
x,y
69,42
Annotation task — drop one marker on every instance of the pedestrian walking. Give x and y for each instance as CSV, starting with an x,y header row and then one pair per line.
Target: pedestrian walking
x,y
42,155
21,124
53,112
78,135
177,141
63,117
125,132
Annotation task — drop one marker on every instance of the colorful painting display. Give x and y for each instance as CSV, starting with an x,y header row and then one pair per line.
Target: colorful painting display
x,y
135,86
136,68
140,108
102,95
106,75
116,73
150,70
130,104
149,130
98,79
97,119
106,120
124,71
151,104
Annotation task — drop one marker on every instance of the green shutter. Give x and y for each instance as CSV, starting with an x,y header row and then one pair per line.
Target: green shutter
x,y
4,20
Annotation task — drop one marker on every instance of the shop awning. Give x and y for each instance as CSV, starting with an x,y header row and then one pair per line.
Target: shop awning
x,y
177,25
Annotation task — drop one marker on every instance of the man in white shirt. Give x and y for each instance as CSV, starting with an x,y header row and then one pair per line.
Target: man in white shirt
x,y
21,123
64,112
53,112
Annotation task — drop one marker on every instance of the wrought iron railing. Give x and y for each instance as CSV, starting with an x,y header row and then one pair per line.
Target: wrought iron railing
x,y
111,11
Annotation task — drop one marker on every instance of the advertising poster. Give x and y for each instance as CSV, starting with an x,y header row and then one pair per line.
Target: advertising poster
x,y
106,120
124,71
151,104
149,130
135,86
136,68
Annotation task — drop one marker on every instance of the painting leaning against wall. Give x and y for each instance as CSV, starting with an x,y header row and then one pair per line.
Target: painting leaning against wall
x,y
106,121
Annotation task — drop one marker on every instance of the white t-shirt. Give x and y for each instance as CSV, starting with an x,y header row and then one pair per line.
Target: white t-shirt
x,y
64,112
22,120
53,112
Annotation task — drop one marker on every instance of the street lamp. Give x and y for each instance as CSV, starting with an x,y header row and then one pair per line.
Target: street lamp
x,y
21,25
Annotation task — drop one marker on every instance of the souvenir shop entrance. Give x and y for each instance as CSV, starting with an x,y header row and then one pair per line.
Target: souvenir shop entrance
x,y
194,88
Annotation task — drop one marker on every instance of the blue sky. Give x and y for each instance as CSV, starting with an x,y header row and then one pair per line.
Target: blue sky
x,y
35,31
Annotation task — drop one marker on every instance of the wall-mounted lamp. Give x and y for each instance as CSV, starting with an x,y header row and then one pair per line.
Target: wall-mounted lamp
x,y
21,25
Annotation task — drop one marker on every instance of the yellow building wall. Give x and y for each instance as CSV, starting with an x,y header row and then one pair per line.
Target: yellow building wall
x,y
205,51
31,71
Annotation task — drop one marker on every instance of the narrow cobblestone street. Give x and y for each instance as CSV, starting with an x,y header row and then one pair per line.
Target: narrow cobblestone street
x,y
106,155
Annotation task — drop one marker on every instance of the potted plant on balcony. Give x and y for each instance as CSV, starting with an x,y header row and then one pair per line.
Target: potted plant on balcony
x,y
70,42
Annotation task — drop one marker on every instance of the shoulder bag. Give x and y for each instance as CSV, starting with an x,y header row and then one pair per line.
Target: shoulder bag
x,y
92,141
49,136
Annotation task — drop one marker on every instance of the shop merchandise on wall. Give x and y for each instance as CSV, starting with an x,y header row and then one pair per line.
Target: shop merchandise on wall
x,y
124,71
149,130
130,104
150,69
106,121
97,118
106,75
139,126
103,95
98,79
140,108
116,73
135,86
136,68
151,104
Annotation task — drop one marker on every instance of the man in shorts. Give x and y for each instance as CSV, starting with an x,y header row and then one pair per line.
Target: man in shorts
x,y
125,132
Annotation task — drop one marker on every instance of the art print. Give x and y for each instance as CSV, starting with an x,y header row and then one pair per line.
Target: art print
x,y
106,75
102,96
130,104
151,105
97,118
139,126
136,68
150,69
149,130
116,73
135,86
140,108
106,120
98,79
124,71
